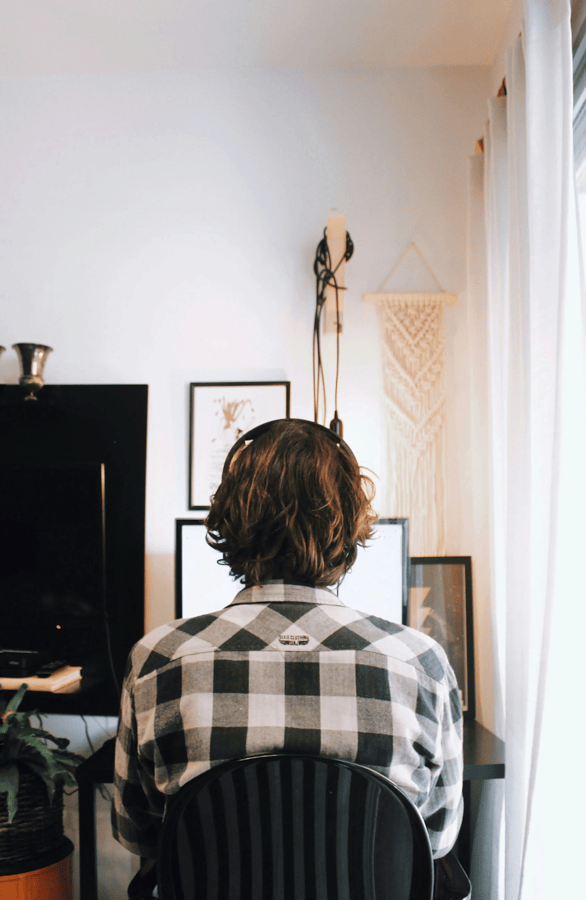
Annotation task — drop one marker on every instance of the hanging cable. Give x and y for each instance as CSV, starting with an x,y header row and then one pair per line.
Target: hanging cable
x,y
326,275
336,423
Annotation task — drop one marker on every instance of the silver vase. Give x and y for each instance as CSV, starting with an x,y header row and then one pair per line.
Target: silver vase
x,y
32,358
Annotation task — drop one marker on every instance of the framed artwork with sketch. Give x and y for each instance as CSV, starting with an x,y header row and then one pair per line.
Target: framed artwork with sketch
x,y
440,605
219,413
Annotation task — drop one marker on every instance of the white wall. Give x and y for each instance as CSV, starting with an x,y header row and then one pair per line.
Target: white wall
x,y
161,228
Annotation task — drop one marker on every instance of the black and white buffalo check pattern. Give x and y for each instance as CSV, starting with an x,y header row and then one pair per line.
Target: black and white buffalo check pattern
x,y
286,668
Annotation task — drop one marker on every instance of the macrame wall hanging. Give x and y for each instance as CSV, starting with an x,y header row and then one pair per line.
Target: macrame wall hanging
x,y
412,333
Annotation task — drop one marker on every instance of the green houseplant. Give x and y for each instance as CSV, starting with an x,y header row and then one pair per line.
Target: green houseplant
x,y
32,775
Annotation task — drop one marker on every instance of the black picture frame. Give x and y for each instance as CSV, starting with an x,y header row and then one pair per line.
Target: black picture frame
x,y
219,412
440,604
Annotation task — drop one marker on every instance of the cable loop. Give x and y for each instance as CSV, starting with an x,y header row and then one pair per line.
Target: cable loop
x,y
325,276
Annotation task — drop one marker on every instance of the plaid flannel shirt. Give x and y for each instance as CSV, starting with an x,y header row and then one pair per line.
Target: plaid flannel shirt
x,y
286,668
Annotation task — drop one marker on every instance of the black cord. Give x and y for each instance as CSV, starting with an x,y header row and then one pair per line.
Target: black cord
x,y
320,267
325,276
337,351
87,734
105,611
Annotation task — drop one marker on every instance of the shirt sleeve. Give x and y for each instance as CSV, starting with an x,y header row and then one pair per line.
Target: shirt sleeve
x,y
443,809
136,818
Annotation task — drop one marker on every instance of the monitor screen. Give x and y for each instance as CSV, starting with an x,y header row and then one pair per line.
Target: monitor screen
x,y
377,583
52,560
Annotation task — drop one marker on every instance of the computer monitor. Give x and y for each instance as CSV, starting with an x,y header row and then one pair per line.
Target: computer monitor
x,y
377,583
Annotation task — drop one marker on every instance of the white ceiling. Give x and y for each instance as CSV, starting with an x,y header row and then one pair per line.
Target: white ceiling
x,y
43,37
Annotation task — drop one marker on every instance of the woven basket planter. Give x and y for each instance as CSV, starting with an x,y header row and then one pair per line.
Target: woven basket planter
x,y
37,827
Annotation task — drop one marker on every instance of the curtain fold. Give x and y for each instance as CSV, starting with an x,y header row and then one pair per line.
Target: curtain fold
x,y
488,796
538,449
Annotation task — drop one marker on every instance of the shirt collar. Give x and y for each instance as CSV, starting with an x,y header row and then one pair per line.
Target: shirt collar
x,y
279,591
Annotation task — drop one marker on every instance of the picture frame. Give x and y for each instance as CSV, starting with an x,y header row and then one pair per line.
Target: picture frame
x,y
440,605
377,583
219,412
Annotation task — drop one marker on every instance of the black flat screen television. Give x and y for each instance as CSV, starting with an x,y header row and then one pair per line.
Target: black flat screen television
x,y
52,560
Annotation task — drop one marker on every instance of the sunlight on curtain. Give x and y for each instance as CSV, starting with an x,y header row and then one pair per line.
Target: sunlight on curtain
x,y
488,798
555,833
538,443
552,848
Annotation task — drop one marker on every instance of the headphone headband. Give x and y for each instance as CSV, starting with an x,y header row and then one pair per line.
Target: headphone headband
x,y
259,430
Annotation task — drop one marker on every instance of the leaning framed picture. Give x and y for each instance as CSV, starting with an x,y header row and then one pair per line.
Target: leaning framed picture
x,y
219,413
440,605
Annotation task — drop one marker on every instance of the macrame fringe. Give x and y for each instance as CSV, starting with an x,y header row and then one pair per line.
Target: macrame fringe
x,y
414,415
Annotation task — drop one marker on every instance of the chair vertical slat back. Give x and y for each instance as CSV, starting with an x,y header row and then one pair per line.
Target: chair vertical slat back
x,y
342,824
276,811
319,844
289,855
232,836
297,813
368,845
258,862
293,828
241,804
309,829
210,833
188,828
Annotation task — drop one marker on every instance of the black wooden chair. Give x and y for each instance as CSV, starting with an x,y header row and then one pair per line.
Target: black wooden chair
x,y
293,828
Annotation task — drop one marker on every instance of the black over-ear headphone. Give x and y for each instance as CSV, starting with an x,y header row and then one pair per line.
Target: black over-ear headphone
x,y
262,429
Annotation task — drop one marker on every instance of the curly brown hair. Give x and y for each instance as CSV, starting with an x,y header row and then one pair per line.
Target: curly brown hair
x,y
293,505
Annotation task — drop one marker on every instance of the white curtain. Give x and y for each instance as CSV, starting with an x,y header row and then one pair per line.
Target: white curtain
x,y
537,389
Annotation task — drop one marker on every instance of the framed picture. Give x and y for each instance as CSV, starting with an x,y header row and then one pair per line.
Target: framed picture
x,y
440,605
219,413
377,583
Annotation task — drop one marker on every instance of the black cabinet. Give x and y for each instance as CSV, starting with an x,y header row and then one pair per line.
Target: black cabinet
x,y
65,442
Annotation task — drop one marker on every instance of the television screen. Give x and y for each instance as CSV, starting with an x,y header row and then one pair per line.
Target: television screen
x,y
52,582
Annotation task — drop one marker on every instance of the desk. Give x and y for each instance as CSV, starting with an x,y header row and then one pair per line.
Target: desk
x,y
484,758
